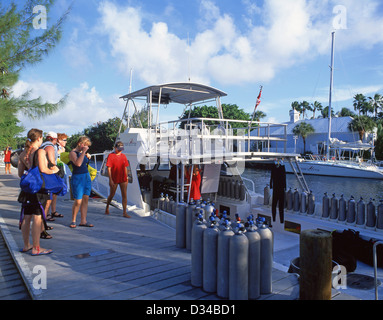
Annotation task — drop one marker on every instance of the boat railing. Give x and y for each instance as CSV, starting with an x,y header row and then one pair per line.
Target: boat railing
x,y
204,137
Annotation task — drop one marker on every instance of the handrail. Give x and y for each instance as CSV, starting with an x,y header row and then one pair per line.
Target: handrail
x,y
375,267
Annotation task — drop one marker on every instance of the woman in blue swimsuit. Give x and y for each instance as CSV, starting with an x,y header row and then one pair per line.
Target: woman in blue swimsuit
x,y
80,183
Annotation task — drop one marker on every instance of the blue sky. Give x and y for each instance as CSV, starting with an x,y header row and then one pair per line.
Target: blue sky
x,y
235,46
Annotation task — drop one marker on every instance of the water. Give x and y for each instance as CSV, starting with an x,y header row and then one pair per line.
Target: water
x,y
366,188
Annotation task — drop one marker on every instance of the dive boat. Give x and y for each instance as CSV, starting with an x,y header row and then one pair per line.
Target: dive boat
x,y
219,147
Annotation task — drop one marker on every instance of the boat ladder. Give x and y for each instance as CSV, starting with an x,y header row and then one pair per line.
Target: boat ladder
x,y
299,174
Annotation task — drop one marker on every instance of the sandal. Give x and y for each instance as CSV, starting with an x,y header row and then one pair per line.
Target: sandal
x,y
89,225
50,218
73,225
40,253
45,235
56,215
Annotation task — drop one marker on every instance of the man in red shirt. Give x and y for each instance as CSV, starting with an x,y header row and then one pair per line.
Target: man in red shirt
x,y
117,164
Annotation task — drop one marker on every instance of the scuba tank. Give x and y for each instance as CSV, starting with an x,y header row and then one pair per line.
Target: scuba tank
x,y
361,213
304,202
181,225
189,223
334,208
254,238
289,199
171,206
311,203
210,243
379,219
166,203
267,245
209,208
342,209
371,216
237,190
223,260
161,202
351,212
296,201
325,206
242,191
238,265
197,252
266,195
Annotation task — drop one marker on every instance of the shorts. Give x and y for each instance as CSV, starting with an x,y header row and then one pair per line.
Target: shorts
x,y
32,203
81,185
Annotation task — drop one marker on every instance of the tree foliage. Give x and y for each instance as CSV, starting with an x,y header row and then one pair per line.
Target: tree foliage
x,y
102,134
21,45
230,111
303,130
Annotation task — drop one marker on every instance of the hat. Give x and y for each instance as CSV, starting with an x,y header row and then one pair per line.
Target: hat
x,y
52,134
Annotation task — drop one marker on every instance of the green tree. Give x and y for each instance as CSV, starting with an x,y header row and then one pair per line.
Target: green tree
x,y
379,143
303,130
21,45
304,106
230,111
345,112
376,103
362,124
102,134
361,104
316,106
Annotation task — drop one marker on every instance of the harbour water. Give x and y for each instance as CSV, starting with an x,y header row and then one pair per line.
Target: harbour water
x,y
366,188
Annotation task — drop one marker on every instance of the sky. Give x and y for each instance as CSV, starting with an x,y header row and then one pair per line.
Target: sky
x,y
235,46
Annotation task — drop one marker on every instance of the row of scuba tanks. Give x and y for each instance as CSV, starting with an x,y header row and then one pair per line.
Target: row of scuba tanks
x,y
233,189
232,260
334,209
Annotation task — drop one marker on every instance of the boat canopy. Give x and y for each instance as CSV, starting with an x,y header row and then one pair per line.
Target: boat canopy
x,y
357,145
182,93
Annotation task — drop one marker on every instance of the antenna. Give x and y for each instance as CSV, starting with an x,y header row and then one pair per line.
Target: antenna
x,y
188,55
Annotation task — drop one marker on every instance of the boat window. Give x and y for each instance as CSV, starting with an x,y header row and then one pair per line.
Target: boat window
x,y
165,166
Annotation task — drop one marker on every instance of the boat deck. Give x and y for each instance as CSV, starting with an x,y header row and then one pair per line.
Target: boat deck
x,y
118,259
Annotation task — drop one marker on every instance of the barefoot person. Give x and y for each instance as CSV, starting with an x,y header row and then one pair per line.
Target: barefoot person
x,y
80,183
117,164
32,204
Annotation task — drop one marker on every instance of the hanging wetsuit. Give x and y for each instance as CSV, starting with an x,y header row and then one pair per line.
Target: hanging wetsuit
x,y
278,184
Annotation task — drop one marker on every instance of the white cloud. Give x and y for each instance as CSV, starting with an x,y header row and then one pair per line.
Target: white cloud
x,y
84,107
287,32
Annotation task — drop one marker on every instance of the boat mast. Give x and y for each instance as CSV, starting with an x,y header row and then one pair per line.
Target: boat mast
x,y
330,95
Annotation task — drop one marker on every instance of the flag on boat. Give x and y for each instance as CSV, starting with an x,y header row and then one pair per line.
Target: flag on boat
x,y
258,99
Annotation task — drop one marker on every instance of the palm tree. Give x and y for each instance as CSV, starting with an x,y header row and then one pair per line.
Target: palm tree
x,y
316,106
303,129
376,103
362,124
345,112
304,106
361,104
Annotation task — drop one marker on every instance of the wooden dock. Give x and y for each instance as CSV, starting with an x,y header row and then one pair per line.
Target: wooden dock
x,y
118,259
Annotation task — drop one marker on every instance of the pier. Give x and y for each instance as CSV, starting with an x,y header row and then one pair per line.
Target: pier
x,y
118,259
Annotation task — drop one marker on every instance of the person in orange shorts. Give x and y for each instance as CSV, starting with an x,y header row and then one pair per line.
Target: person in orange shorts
x,y
118,164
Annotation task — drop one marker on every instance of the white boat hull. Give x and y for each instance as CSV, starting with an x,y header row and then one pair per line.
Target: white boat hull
x,y
338,169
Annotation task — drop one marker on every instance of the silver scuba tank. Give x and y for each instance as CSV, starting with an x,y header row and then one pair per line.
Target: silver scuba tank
x,y
334,207
379,219
267,248
361,213
223,260
311,203
189,222
210,244
371,215
254,287
296,201
266,195
351,211
197,252
181,225
325,206
238,265
342,209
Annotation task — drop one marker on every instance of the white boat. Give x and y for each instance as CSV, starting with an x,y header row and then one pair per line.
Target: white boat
x,y
334,163
219,146
340,165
